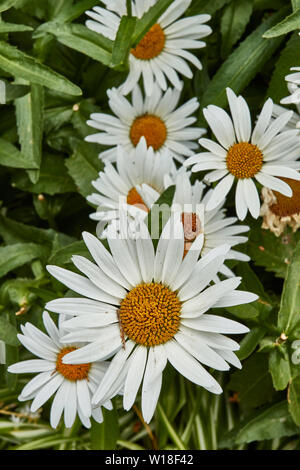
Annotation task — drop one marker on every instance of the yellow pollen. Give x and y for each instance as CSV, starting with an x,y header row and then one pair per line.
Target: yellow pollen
x,y
151,44
71,372
134,199
152,128
287,206
150,314
244,160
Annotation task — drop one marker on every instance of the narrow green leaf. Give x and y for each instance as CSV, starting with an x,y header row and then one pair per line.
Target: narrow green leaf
x,y
11,91
290,23
80,38
12,157
288,316
208,7
279,367
243,64
272,423
294,399
69,14
29,114
104,436
250,342
14,256
19,64
170,429
64,255
13,28
233,24
149,19
122,42
8,332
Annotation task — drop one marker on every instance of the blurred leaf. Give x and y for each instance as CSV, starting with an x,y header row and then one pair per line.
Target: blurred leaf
x,y
288,316
14,256
290,23
279,367
104,436
13,28
243,64
22,65
8,332
204,6
233,24
7,4
29,114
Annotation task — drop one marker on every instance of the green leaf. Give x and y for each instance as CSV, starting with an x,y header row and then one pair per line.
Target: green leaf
x,y
160,213
122,43
104,436
295,4
279,367
29,114
13,28
289,56
272,423
80,38
84,166
64,255
294,399
288,316
243,64
250,342
9,91
8,332
170,429
7,4
53,178
204,6
149,19
19,64
290,23
14,256
233,24
70,13
12,157
253,383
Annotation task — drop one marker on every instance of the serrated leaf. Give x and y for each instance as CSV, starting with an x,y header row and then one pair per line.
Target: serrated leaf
x,y
233,24
149,19
29,114
272,423
288,316
8,332
80,38
279,367
243,64
53,177
21,65
14,256
12,157
290,23
84,166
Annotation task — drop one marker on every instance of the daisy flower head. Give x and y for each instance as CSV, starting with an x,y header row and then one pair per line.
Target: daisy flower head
x,y
147,307
72,385
243,155
133,186
279,211
216,228
155,118
163,52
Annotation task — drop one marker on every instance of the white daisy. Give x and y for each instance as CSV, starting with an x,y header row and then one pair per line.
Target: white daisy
x,y
155,118
293,80
265,154
72,385
294,122
216,228
133,186
162,53
147,308
279,211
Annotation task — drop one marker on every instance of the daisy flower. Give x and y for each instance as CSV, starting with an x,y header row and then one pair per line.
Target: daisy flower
x,y
155,118
242,154
294,122
73,385
216,228
279,211
162,53
146,308
134,185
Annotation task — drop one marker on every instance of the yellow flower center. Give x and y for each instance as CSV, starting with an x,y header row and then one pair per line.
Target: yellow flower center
x,y
134,199
287,206
150,314
71,372
244,160
152,128
151,44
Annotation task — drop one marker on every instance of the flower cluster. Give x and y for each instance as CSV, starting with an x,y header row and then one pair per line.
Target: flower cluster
x,y
141,303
